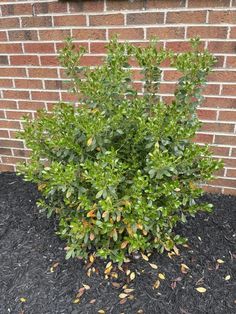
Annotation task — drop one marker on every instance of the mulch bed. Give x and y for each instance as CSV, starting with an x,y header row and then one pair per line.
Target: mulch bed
x,y
29,248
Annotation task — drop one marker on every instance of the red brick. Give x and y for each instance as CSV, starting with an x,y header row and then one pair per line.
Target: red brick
x,y
77,45
28,84
206,114
86,6
218,127
224,182
24,60
207,31
10,48
188,17
229,90
91,60
5,151
163,4
6,168
233,154
12,143
145,18
54,34
171,75
16,9
214,102
228,162
227,116
39,48
21,153
3,36
127,33
15,94
17,115
49,60
18,72
203,138
50,7
73,20
4,134
222,47
12,160
180,46
2,114
219,17
233,32
85,34
41,72
166,32
30,105
37,21
53,84
41,95
219,151
69,97
226,140
231,173
6,83
208,3
5,124
7,104
108,19
231,61
222,76
9,23
98,47
211,89
212,189
21,35
119,5
4,60
229,191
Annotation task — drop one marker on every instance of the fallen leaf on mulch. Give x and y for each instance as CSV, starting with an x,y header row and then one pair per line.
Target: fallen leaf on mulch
x,y
184,268
161,276
154,266
92,301
227,277
201,289
144,257
76,301
123,295
132,276
101,312
220,261
156,284
23,300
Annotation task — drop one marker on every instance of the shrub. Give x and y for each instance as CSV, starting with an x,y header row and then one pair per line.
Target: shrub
x,y
120,170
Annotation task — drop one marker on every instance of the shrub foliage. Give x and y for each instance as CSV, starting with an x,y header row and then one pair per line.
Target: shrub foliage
x,y
120,170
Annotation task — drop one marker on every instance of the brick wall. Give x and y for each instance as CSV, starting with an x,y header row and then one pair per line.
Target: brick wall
x,y
31,34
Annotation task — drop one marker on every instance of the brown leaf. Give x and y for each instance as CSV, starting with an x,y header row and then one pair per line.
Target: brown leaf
x,y
156,284
184,268
123,295
173,285
116,285
123,301
92,301
80,293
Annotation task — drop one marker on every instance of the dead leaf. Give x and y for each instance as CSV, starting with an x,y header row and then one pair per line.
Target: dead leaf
x,y
128,271
128,290
184,268
220,261
108,270
156,284
176,250
116,284
23,300
91,258
80,293
76,301
161,276
86,287
140,311
101,312
154,266
173,285
227,277
124,244
92,301
90,140
123,295
123,301
108,265
144,257
132,276
91,236
201,289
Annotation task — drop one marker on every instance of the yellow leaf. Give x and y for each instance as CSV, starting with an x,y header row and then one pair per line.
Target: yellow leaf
x,y
108,265
90,140
220,261
91,258
132,276
123,295
161,276
23,300
201,289
184,268
227,277
128,290
91,213
108,270
124,244
156,284
92,236
101,312
76,301
154,266
86,287
176,250
128,272
145,257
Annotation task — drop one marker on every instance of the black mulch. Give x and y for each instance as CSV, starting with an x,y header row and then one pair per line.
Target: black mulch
x,y
29,248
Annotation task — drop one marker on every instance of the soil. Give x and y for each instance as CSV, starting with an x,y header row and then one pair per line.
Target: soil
x,y
35,278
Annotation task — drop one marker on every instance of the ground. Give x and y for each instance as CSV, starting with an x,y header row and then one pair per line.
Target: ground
x,y
35,278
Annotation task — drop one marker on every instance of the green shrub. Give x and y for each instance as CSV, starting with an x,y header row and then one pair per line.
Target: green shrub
x,y
121,170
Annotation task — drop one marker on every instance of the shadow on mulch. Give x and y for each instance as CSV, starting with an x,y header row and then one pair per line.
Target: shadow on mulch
x,y
29,248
